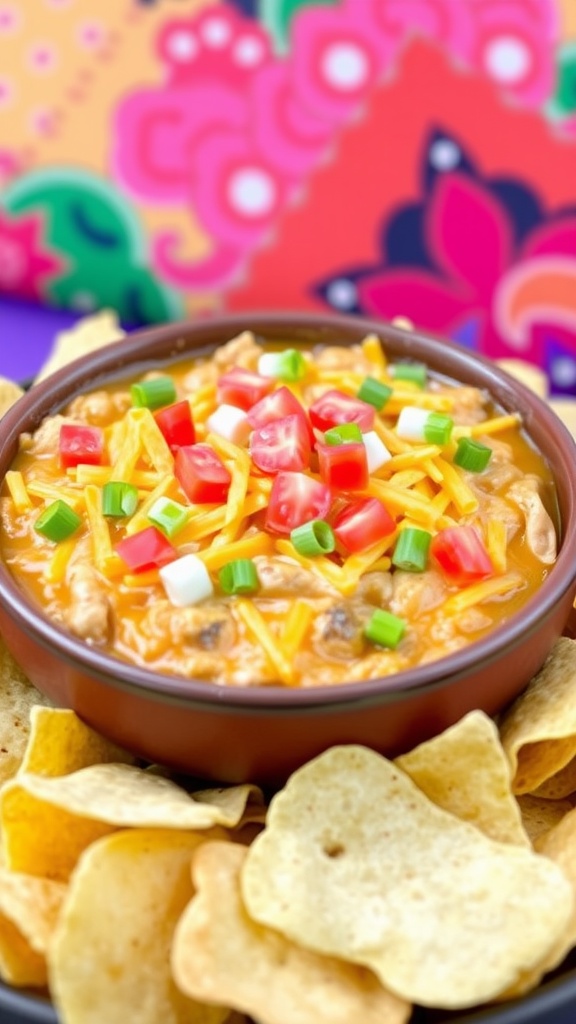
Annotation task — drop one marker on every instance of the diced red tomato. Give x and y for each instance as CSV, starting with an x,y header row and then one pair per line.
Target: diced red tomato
x,y
334,407
80,445
461,555
344,467
201,474
148,549
281,444
176,423
276,406
242,388
295,499
363,523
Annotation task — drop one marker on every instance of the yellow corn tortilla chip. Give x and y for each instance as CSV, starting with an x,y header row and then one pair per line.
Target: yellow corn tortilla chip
x,y
220,953
9,394
47,822
109,960
60,743
538,732
88,334
540,815
559,785
17,697
356,862
465,771
29,910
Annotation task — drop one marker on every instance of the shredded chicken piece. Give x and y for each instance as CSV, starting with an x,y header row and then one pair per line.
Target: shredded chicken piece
x,y
100,408
338,633
44,441
209,627
283,577
375,588
89,615
469,404
540,532
240,351
351,359
505,511
416,593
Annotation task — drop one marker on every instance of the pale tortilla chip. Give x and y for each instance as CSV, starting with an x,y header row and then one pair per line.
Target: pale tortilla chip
x,y
48,822
17,698
109,962
538,732
60,743
88,334
464,770
357,863
559,785
29,910
9,394
220,953
540,815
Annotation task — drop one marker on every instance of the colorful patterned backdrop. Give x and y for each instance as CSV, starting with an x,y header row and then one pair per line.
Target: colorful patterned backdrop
x,y
384,157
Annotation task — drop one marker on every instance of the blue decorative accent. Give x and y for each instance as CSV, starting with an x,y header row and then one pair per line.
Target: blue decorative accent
x,y
559,363
468,332
249,8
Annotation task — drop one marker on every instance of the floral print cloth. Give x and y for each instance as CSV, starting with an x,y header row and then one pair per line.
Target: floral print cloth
x,y
380,157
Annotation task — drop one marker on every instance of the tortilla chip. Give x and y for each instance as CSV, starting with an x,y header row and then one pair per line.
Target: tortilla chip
x,y
559,785
538,732
48,822
357,863
17,697
220,953
464,770
110,958
60,743
9,394
29,910
88,334
539,815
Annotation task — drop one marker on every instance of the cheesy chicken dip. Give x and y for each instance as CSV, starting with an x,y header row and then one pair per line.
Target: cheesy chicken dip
x,y
280,516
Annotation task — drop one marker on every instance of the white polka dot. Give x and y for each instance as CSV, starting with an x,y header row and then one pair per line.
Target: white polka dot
x,y
345,66
444,155
563,372
342,294
216,32
83,302
252,191
182,46
248,51
507,59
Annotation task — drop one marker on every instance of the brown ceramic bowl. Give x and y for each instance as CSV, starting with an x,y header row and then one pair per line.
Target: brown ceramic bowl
x,y
262,734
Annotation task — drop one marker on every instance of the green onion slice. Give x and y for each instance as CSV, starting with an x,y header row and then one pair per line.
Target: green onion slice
x,y
438,428
289,365
153,394
374,392
472,454
169,516
411,549
385,629
119,498
313,538
413,372
58,521
345,433
239,577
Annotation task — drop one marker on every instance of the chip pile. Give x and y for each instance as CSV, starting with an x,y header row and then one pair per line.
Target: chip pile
x,y
445,879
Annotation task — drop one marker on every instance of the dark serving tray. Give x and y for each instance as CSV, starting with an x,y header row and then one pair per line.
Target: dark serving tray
x,y
553,1002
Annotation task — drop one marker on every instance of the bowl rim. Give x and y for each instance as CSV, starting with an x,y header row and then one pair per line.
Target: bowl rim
x,y
111,362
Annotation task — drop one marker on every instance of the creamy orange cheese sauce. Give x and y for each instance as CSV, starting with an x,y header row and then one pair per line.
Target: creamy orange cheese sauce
x,y
305,623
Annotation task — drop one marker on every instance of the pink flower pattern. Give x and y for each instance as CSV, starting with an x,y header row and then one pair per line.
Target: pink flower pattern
x,y
235,129
25,263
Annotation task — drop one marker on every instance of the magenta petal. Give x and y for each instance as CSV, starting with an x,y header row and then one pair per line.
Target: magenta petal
x,y
468,233
415,294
